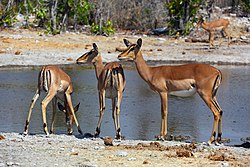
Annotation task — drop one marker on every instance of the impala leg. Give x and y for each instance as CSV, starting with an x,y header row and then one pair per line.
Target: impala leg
x,y
69,101
102,108
54,102
45,102
228,36
212,105
118,130
164,115
114,112
220,119
33,101
211,39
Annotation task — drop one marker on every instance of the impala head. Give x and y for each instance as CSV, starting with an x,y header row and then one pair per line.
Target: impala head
x,y
89,57
200,21
131,51
69,119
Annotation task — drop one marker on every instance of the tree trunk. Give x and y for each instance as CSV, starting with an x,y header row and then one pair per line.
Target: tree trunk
x,y
64,16
53,14
75,15
27,14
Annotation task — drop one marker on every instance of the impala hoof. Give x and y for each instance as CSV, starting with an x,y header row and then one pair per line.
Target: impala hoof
x,y
96,135
160,138
80,131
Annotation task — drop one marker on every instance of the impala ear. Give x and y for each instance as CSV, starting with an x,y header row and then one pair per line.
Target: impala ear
x,y
76,107
95,47
139,42
61,107
126,42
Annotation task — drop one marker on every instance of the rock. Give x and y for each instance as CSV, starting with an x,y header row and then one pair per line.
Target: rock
x,y
2,51
184,153
122,154
243,37
99,147
74,153
2,137
217,156
146,162
131,159
108,141
225,164
18,52
120,49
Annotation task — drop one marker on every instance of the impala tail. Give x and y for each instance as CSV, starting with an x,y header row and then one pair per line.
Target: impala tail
x,y
217,83
44,80
113,80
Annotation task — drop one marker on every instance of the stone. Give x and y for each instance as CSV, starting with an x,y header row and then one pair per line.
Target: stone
x,y
122,154
108,141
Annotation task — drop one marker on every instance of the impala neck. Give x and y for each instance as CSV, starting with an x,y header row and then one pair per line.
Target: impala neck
x,y
205,25
142,68
98,66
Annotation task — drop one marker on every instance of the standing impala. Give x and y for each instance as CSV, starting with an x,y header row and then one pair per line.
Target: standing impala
x,y
165,79
111,84
216,25
57,84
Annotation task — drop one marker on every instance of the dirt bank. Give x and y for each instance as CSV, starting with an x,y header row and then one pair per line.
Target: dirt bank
x,y
23,47
63,150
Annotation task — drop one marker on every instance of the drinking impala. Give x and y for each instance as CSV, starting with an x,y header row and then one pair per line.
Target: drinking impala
x,y
57,84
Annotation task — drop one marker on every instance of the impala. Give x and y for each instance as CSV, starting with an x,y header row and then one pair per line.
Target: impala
x,y
166,79
57,84
111,84
216,25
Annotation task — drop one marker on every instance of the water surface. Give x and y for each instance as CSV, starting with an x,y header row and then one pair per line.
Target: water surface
x,y
140,108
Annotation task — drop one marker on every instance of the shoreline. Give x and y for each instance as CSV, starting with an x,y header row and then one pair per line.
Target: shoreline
x,y
27,48
64,150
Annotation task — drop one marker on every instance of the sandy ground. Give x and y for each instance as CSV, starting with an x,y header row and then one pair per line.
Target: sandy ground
x,y
22,47
63,150
30,48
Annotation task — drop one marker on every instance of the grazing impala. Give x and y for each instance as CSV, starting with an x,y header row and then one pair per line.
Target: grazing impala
x,y
111,84
165,79
57,84
216,25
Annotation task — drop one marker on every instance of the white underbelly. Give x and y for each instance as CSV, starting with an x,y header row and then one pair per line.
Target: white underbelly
x,y
184,93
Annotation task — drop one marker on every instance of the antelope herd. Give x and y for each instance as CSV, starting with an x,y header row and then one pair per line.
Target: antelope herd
x,y
201,78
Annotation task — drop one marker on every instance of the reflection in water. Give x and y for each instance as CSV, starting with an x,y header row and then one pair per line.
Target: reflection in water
x,y
140,107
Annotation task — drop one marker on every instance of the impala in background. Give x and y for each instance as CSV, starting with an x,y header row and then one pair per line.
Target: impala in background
x,y
165,79
216,25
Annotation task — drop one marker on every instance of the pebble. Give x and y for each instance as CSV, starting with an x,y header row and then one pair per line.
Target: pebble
x,y
146,161
99,147
131,159
10,163
108,141
225,164
121,154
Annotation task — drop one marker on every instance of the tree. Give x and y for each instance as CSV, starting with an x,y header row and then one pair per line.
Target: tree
x,y
182,14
